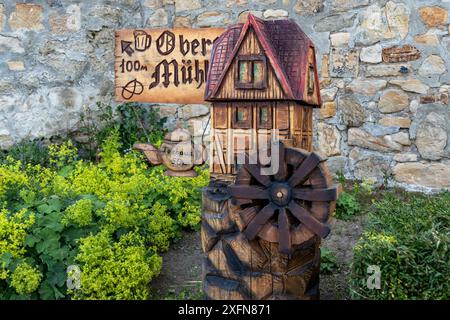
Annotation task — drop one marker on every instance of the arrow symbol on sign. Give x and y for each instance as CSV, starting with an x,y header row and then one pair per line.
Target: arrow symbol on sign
x,y
126,47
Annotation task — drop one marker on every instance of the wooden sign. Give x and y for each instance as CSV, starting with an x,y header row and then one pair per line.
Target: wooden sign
x,y
163,65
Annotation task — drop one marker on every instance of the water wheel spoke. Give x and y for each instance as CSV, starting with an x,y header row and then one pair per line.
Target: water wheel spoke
x,y
255,172
329,194
302,173
284,237
282,165
248,192
305,217
258,222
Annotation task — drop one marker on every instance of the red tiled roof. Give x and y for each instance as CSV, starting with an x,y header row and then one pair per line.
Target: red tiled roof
x,y
284,43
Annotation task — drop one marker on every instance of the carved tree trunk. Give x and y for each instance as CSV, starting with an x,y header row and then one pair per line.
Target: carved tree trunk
x,y
261,234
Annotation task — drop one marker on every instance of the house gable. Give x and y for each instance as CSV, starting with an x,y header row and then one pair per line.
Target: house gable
x,y
287,50
250,46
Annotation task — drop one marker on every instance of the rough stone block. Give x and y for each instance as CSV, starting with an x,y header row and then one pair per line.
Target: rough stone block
x,y
14,65
329,139
393,100
327,110
344,62
27,16
368,87
402,122
433,16
308,7
434,175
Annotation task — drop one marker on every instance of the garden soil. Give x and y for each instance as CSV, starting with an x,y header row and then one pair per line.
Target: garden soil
x,y
181,272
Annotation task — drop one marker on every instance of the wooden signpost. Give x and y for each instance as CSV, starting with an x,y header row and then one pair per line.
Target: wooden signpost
x,y
163,65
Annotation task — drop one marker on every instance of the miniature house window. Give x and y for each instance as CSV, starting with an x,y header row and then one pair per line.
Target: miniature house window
x,y
220,116
251,72
264,114
241,115
282,116
311,79
242,118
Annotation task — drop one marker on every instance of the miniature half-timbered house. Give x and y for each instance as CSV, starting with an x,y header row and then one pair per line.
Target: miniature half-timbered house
x,y
262,82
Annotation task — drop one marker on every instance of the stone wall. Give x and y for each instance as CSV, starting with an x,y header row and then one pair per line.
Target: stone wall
x,y
384,68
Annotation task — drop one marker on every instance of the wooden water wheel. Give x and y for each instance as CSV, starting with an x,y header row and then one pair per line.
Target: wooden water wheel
x,y
261,235
289,207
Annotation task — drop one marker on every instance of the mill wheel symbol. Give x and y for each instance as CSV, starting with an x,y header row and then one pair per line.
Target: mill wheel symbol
x,y
289,207
134,87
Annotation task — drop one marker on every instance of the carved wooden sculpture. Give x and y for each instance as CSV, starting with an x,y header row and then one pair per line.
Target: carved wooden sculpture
x,y
261,233
177,153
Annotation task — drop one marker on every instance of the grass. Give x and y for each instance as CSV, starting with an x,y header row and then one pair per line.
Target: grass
x,y
193,290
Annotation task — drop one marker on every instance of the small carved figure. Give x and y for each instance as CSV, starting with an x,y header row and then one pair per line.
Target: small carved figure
x,y
177,153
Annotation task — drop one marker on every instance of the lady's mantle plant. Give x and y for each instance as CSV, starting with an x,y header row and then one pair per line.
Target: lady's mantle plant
x,y
110,219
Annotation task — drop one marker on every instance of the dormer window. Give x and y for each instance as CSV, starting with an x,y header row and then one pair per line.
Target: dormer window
x,y
251,72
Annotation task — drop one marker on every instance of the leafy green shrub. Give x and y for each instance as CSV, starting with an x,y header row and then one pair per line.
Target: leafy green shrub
x,y
79,213
116,269
26,278
27,152
139,123
407,238
112,219
347,206
328,261
132,122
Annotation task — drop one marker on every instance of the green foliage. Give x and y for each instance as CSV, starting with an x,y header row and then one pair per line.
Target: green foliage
x,y
341,177
131,122
116,269
79,213
328,261
13,231
27,152
191,292
26,279
140,124
364,188
407,238
62,155
111,218
355,199
347,206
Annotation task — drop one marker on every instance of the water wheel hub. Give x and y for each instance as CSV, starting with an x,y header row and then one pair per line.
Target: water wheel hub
x,y
280,194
